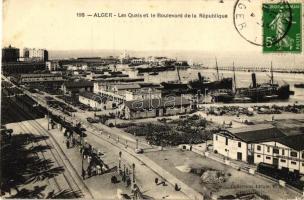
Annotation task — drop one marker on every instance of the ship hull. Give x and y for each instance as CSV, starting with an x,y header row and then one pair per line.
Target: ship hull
x,y
262,93
225,83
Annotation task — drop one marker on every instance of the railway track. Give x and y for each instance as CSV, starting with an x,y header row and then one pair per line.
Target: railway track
x,y
52,182
58,156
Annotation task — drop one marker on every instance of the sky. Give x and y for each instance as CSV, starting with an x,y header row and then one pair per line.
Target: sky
x,y
54,25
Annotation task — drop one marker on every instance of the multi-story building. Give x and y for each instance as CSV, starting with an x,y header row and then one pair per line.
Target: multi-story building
x,y
51,82
147,108
96,101
22,67
262,143
39,78
52,65
10,54
143,93
286,153
76,87
32,54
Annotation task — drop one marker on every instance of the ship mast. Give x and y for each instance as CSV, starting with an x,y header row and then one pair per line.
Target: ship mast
x,y
234,79
217,70
178,75
271,74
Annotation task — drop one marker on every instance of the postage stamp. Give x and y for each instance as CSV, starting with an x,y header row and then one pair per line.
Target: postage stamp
x,y
282,27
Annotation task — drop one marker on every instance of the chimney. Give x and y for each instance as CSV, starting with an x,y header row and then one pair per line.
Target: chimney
x,y
199,76
254,84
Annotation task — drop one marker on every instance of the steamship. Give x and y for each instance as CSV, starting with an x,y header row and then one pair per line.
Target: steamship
x,y
264,91
201,84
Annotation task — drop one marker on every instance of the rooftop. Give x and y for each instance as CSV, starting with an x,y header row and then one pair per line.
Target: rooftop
x,y
295,142
38,75
82,83
257,133
93,96
120,79
137,105
127,86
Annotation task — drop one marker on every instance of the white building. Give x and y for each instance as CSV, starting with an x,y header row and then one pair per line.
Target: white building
x,y
52,65
77,66
143,93
262,143
96,101
114,90
286,153
35,54
40,78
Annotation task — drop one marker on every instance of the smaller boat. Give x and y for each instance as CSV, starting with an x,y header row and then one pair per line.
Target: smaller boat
x,y
223,95
153,73
299,85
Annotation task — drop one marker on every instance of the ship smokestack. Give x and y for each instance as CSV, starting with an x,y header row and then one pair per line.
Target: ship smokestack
x,y
199,76
254,84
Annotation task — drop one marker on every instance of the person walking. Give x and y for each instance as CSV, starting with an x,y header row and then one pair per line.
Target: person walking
x,y
83,174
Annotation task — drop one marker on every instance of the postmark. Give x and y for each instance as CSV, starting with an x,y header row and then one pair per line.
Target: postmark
x,y
269,25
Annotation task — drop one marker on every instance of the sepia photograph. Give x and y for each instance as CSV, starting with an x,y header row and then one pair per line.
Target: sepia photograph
x,y
152,99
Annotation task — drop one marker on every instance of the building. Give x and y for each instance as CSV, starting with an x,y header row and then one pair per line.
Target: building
x,y
52,65
147,108
143,93
76,66
286,153
262,143
32,54
10,54
22,67
96,101
116,91
39,78
76,87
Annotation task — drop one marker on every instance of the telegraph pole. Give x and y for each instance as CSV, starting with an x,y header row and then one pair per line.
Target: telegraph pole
x,y
119,161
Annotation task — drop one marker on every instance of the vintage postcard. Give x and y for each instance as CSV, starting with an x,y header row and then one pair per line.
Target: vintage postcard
x,y
152,99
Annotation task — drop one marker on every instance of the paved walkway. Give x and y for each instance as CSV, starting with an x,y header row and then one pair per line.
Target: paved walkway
x,y
144,174
100,186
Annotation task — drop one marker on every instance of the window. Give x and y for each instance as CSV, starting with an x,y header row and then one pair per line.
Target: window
x,y
268,149
268,158
293,163
276,150
282,160
259,148
302,155
283,152
239,144
294,154
226,141
216,138
258,156
302,164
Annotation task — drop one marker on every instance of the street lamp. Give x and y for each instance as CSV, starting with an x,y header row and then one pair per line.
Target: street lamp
x,y
48,118
227,150
133,170
119,161
82,141
206,89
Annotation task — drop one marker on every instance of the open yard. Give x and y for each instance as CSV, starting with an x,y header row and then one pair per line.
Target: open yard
x,y
171,132
204,174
